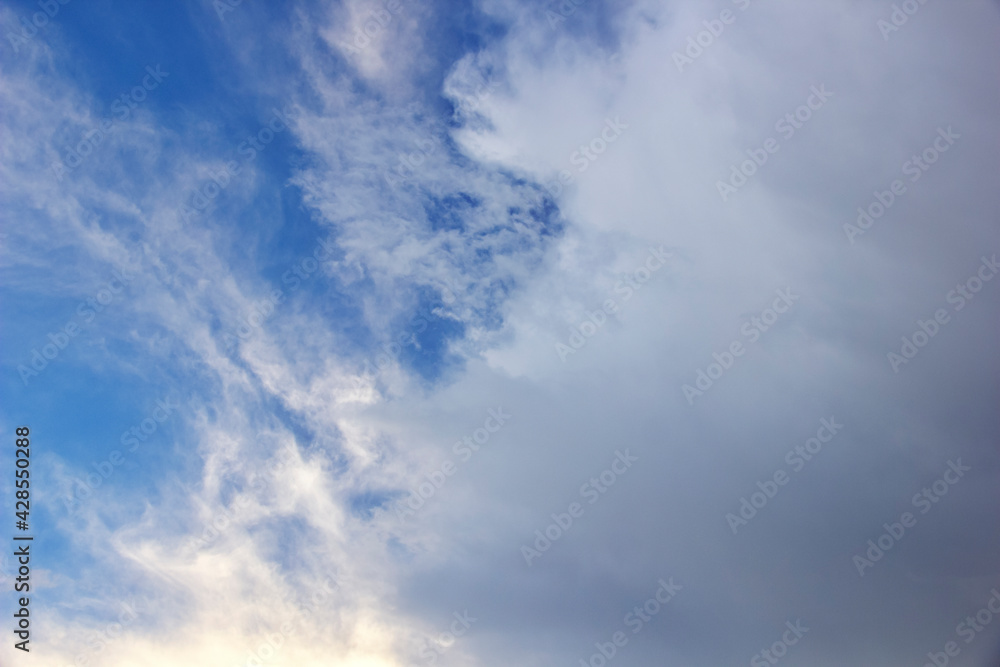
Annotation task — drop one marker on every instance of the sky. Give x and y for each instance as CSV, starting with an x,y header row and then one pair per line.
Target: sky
x,y
392,333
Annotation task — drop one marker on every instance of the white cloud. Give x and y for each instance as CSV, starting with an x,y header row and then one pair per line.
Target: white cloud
x,y
655,185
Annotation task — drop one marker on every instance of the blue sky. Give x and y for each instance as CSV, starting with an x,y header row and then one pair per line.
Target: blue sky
x,y
333,323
